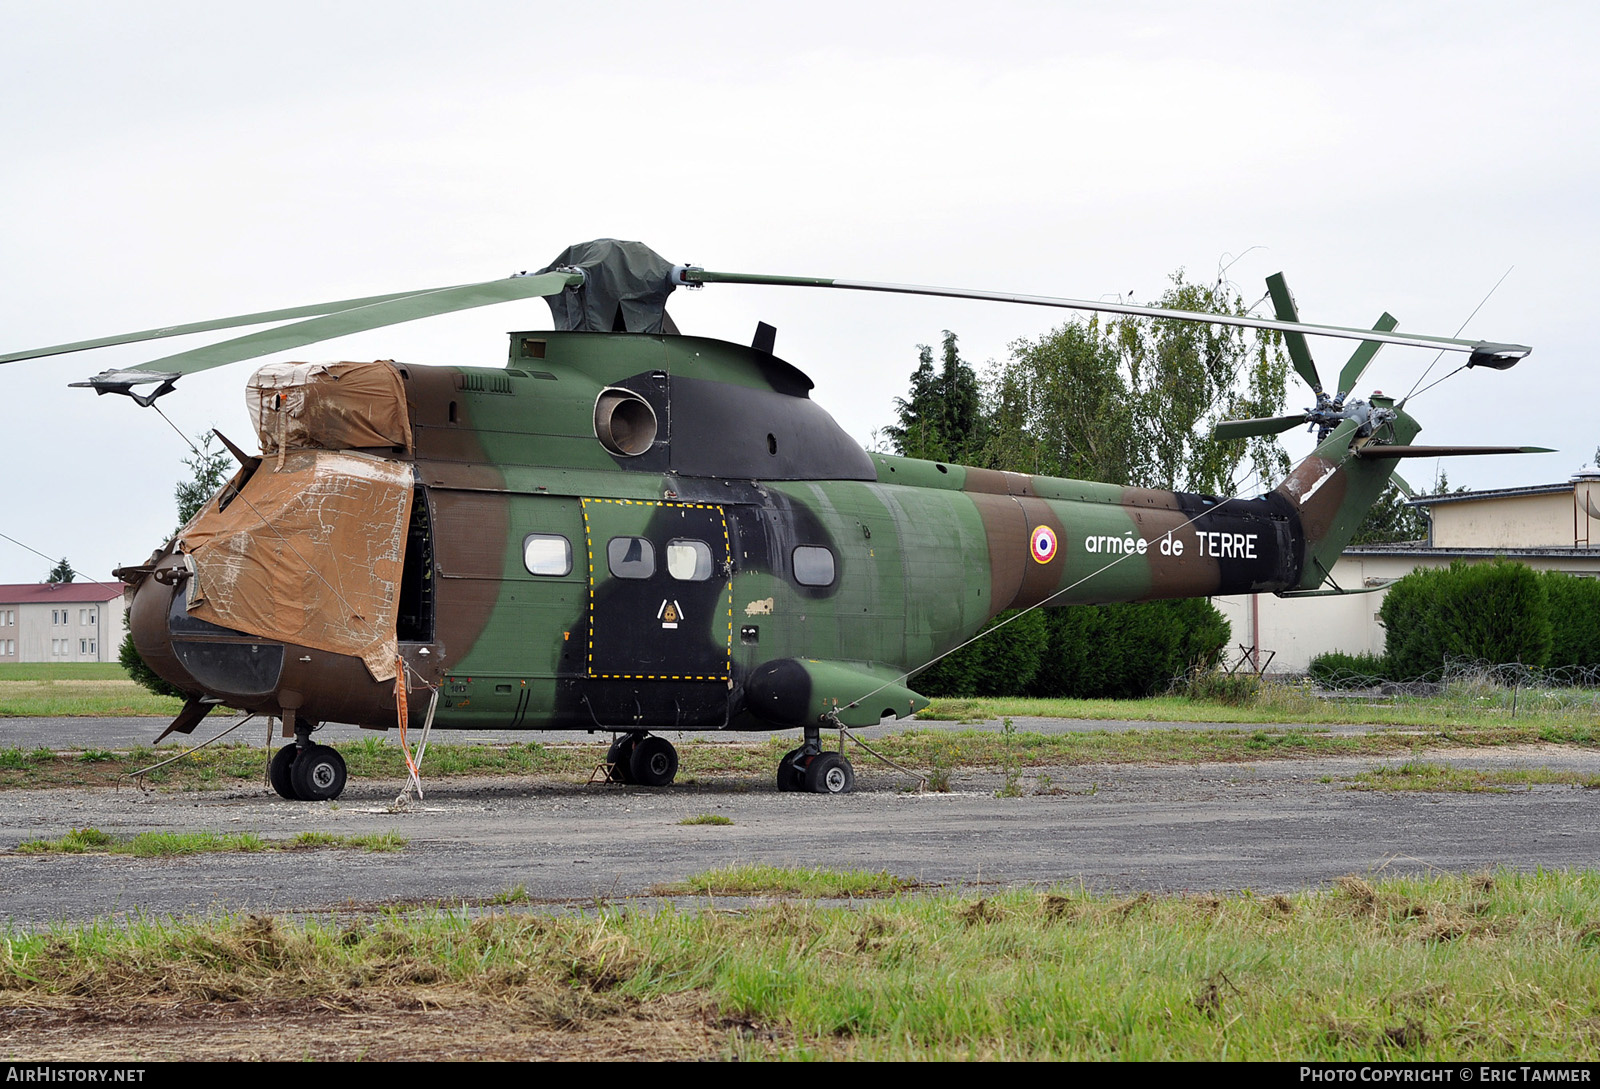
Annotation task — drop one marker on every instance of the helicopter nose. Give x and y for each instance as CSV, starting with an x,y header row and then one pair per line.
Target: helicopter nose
x,y
201,658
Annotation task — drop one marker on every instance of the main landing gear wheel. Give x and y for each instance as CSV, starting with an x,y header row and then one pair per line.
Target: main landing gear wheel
x,y
791,775
317,774
620,755
654,762
830,773
278,772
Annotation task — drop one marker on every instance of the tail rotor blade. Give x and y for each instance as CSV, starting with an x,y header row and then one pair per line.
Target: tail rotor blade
x,y
1261,425
1385,452
1400,482
1299,350
1363,355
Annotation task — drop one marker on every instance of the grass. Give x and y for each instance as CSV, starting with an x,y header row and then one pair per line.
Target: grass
x,y
939,749
1284,704
1500,966
169,844
103,689
1421,776
758,880
63,671
91,689
707,818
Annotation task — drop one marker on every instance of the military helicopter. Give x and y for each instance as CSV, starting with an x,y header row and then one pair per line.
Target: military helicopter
x,y
627,529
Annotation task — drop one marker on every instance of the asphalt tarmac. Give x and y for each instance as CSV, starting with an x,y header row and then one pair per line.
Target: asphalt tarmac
x,y
1268,826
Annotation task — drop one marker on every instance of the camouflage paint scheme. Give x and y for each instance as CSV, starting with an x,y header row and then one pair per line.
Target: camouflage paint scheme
x,y
742,460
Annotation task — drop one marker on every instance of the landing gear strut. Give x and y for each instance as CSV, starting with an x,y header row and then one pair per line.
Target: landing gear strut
x,y
643,759
810,769
306,771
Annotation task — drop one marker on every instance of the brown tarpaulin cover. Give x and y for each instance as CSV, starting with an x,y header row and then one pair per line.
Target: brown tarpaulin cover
x,y
332,406
310,554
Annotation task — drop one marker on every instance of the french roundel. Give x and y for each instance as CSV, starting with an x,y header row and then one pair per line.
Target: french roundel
x,y
1044,544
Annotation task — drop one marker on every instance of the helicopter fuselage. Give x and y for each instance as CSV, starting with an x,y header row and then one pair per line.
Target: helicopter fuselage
x,y
628,532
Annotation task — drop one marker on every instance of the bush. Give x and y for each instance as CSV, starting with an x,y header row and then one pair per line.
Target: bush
x,y
1497,612
1574,620
999,663
128,655
1084,651
1336,669
1128,651
1228,689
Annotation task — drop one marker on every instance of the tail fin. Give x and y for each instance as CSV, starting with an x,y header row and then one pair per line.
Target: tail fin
x,y
1333,489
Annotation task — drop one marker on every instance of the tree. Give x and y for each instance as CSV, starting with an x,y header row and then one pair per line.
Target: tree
x,y
211,469
943,419
61,573
1186,377
1062,407
1391,519
1133,400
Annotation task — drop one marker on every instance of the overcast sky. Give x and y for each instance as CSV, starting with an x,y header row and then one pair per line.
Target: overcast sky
x,y
170,162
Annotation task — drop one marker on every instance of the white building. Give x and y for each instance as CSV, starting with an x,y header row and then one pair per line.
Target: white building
x,y
1546,526
61,622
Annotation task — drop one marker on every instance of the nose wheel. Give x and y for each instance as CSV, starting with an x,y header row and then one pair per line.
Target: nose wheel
x,y
810,770
307,773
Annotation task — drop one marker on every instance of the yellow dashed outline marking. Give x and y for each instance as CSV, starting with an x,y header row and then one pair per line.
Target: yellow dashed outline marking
x,y
727,551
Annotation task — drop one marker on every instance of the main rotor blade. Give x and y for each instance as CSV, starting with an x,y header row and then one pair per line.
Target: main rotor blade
x,y
206,326
1260,425
1299,350
1362,356
1384,452
391,310
1487,353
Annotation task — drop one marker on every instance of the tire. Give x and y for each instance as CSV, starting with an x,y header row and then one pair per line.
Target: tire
x,y
278,772
654,762
790,777
830,773
318,774
620,756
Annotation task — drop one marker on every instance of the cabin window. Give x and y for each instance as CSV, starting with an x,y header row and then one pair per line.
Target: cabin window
x,y
813,566
689,561
547,554
631,557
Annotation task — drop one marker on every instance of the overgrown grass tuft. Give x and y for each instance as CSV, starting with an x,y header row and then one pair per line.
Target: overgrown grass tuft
x,y
757,879
707,818
1446,778
169,844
